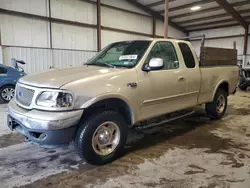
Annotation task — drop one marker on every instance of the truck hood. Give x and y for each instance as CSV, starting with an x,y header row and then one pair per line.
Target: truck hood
x,y
56,78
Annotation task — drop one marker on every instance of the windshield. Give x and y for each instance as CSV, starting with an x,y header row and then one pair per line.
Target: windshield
x,y
121,54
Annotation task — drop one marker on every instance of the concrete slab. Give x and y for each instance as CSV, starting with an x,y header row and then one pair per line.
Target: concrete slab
x,y
194,152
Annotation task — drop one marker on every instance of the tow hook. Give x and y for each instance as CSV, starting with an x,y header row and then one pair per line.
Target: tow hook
x,y
27,139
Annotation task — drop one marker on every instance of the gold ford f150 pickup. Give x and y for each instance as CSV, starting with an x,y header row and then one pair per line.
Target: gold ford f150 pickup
x,y
124,86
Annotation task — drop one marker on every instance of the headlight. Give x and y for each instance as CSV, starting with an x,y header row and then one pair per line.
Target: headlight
x,y
55,99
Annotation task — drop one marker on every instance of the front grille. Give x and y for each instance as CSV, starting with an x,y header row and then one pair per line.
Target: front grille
x,y
24,95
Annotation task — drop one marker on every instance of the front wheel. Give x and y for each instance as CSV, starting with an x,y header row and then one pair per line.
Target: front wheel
x,y
7,93
101,138
218,107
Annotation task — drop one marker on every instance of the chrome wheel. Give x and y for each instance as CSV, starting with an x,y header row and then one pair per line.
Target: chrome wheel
x,y
8,93
221,103
106,138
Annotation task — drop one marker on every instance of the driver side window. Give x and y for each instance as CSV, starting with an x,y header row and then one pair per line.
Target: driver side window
x,y
165,51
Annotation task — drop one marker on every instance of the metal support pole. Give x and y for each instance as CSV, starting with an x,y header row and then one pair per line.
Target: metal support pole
x,y
51,38
1,49
203,40
154,27
166,20
245,48
202,49
235,45
99,34
245,41
50,26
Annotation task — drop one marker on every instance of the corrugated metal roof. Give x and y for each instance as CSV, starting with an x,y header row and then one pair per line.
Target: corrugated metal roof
x,y
180,12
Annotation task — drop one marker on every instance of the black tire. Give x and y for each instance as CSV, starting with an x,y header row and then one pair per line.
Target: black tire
x,y
243,88
85,133
211,108
2,90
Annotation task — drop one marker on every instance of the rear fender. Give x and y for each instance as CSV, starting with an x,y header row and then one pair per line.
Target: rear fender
x,y
218,85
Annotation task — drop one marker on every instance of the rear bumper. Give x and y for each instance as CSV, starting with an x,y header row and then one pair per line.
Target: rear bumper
x,y
49,129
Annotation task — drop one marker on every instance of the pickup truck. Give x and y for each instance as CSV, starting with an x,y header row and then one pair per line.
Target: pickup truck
x,y
130,84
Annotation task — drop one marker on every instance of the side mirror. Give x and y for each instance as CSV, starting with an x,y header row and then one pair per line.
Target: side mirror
x,y
154,64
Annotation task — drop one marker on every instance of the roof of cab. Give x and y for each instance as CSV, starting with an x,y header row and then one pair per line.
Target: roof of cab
x,y
159,39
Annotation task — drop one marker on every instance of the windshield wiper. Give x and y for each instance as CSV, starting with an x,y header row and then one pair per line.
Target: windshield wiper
x,y
109,65
101,64
125,66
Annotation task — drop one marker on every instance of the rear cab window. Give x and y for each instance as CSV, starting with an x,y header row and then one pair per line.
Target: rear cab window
x,y
187,55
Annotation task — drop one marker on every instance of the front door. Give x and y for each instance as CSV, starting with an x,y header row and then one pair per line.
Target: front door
x,y
162,91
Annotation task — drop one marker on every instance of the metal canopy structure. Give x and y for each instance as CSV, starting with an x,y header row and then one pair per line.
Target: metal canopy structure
x,y
209,14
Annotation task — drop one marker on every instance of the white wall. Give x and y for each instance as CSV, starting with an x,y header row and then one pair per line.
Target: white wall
x,y
126,21
131,22
124,5
20,31
111,36
38,60
74,37
74,10
37,7
172,32
28,38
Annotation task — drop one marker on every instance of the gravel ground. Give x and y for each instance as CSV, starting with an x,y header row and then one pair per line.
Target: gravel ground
x,y
194,152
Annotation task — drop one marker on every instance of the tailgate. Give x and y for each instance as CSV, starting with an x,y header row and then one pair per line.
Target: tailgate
x,y
218,56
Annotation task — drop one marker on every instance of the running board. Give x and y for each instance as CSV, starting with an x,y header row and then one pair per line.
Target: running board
x,y
164,121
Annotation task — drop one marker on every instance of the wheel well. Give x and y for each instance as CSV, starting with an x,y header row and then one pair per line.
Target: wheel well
x,y
111,104
224,86
7,85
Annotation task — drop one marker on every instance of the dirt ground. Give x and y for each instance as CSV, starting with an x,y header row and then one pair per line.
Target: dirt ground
x,y
193,153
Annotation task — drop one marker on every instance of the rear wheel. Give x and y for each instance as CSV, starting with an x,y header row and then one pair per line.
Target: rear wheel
x,y
218,107
7,93
101,138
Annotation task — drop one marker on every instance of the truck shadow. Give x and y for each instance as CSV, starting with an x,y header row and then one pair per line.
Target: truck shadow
x,y
169,134
191,132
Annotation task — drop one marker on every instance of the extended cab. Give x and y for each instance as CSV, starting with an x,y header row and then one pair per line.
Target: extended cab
x,y
123,86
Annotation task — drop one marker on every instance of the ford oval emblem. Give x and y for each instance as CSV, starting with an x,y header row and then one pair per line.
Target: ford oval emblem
x,y
20,94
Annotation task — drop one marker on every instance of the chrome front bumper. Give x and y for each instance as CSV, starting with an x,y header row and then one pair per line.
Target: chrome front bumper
x,y
44,120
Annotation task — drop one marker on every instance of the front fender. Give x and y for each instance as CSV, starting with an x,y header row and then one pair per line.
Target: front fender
x,y
4,83
133,108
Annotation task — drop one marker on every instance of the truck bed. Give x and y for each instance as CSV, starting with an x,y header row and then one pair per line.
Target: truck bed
x,y
211,76
217,65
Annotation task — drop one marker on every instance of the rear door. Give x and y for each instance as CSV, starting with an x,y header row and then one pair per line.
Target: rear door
x,y
192,74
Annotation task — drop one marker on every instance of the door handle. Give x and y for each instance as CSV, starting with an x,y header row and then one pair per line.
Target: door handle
x,y
181,78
